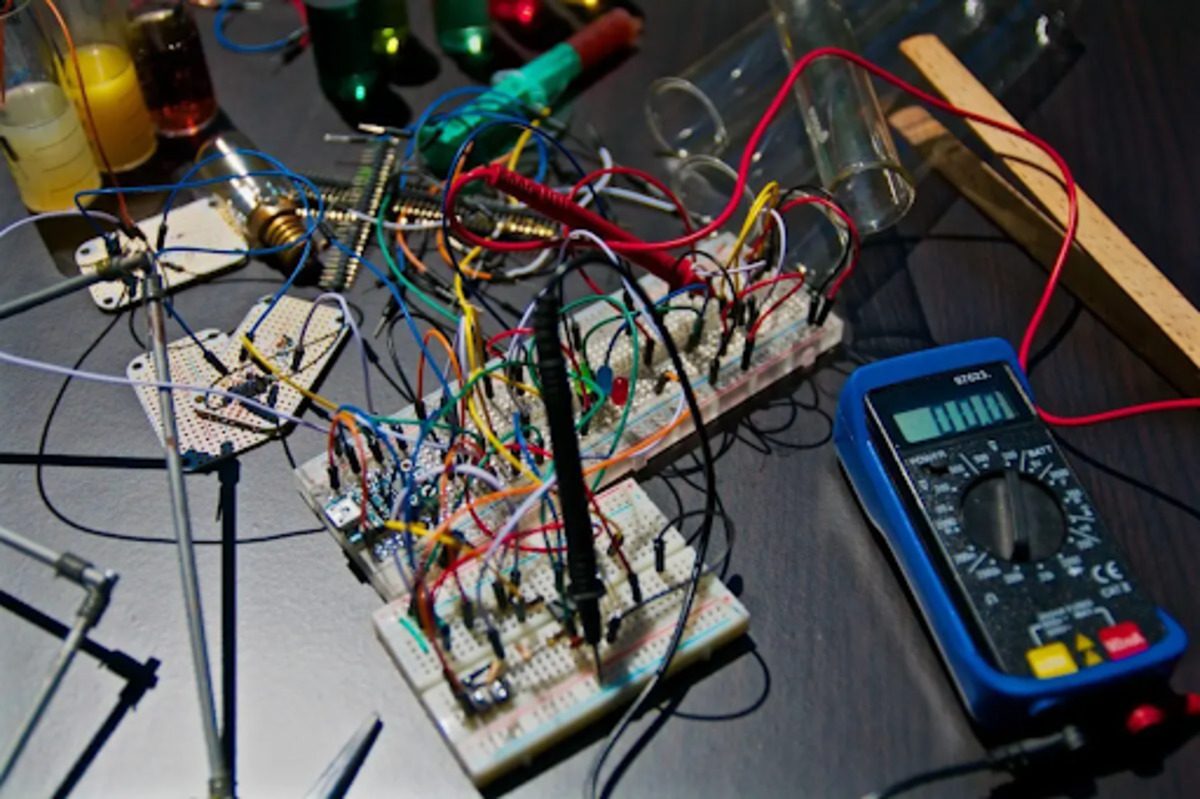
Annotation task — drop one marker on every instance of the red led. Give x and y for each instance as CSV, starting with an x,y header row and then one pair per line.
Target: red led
x,y
620,391
522,12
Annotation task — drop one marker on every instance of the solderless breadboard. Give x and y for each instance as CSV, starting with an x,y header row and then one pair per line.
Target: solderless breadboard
x,y
203,223
551,688
785,344
211,428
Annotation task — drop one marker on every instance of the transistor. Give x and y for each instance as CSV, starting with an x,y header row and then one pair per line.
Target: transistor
x,y
612,630
500,594
696,334
747,352
493,636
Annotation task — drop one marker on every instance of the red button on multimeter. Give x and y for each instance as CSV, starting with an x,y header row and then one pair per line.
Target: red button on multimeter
x,y
1122,640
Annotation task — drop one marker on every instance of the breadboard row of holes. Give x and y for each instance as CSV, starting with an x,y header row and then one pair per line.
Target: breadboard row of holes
x,y
554,688
625,505
785,343
208,433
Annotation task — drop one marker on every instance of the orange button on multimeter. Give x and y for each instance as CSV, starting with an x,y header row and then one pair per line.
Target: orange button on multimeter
x,y
1051,660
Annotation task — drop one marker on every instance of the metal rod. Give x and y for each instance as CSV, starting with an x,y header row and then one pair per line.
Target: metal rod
x,y
65,655
30,548
218,781
338,776
115,269
97,586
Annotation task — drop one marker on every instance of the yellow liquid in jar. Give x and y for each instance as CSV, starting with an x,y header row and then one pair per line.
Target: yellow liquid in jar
x,y
124,125
45,147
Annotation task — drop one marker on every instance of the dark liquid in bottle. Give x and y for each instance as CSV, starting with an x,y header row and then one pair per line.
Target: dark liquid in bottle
x,y
170,64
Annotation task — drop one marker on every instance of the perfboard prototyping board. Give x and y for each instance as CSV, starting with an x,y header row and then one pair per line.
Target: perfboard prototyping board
x,y
203,223
211,428
548,689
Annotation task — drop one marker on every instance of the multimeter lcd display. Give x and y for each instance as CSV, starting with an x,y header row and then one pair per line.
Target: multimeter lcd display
x,y
954,416
949,404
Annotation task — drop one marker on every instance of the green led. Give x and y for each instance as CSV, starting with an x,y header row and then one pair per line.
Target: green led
x,y
350,72
344,69
463,27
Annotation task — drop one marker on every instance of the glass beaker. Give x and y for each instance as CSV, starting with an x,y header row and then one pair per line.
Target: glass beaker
x,y
43,140
123,125
169,58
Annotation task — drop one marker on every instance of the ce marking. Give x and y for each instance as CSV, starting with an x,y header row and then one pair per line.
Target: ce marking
x,y
1105,573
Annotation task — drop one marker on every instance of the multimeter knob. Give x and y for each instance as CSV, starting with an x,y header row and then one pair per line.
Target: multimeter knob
x,y
1013,516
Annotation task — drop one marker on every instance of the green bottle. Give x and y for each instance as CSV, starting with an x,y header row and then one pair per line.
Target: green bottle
x,y
348,71
463,27
389,29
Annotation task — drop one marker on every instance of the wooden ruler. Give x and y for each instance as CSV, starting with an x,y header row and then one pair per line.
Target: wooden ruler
x,y
1107,272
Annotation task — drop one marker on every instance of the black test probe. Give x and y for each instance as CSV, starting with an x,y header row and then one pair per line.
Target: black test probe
x,y
584,587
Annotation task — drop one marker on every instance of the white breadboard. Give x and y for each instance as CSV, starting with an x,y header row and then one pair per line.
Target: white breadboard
x,y
786,343
551,688
211,428
198,224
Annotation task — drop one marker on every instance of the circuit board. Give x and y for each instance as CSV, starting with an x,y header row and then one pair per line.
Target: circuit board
x,y
201,223
364,193
212,427
546,686
785,343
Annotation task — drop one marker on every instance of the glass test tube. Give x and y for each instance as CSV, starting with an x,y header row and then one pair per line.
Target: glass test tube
x,y
169,58
123,124
729,89
349,72
849,135
40,133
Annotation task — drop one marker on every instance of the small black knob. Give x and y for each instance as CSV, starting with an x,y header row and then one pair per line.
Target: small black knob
x,y
1014,517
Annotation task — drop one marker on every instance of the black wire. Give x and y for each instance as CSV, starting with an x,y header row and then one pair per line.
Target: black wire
x,y
409,394
931,776
704,532
847,245
132,327
39,474
717,262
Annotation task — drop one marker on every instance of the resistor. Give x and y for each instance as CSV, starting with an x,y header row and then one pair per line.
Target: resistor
x,y
416,206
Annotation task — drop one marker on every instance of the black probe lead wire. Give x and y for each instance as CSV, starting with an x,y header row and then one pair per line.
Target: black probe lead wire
x,y
39,471
704,532
931,776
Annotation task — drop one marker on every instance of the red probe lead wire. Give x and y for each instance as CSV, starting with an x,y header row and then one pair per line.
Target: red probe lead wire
x,y
781,97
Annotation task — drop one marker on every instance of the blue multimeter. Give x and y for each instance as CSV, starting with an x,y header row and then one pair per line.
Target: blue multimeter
x,y
1030,602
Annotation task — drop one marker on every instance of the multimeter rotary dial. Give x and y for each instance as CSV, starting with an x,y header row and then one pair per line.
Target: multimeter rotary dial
x,y
1013,516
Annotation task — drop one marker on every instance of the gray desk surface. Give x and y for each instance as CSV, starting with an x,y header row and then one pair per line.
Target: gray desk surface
x,y
856,694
